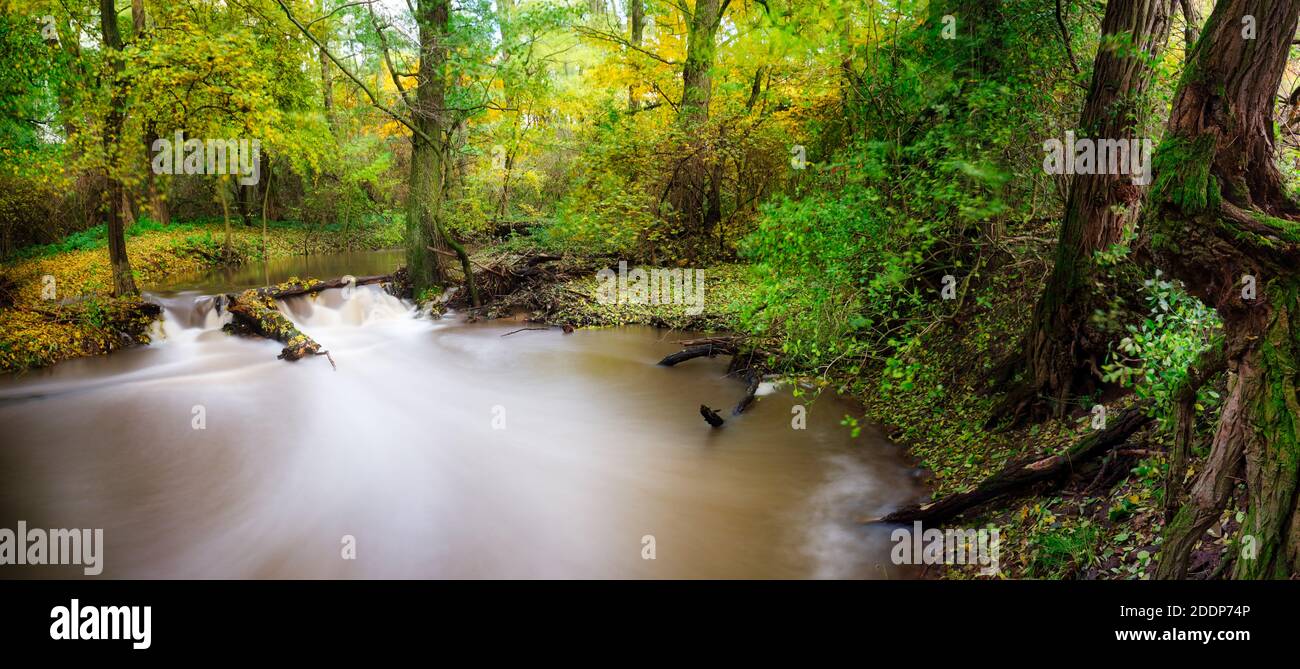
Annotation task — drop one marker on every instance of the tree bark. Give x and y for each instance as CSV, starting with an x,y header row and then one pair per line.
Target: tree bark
x,y
137,18
327,89
1191,27
636,29
123,281
1062,352
424,202
696,189
1219,220
701,50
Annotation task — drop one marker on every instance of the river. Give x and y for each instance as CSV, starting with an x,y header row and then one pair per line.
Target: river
x,y
437,449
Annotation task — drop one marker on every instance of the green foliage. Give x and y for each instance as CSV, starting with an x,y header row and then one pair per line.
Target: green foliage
x,y
1153,359
1063,549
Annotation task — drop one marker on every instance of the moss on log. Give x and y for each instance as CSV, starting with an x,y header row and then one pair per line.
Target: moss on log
x,y
254,313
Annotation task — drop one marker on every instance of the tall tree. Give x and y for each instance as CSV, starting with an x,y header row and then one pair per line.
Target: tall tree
x,y
123,281
696,193
427,155
1061,352
1220,220
426,238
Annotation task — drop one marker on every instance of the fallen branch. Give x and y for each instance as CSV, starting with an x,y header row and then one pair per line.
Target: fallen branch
x,y
741,365
1025,472
296,287
750,392
693,352
522,330
255,313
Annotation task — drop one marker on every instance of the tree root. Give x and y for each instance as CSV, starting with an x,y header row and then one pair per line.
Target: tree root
x,y
1025,472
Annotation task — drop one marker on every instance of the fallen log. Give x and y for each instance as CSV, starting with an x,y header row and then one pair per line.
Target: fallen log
x,y
296,287
693,352
1026,471
254,313
741,364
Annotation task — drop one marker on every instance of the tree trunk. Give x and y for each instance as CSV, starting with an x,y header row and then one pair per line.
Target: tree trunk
x,y
1191,27
326,76
123,281
424,200
697,72
636,28
137,18
327,89
695,192
226,248
1219,220
1062,353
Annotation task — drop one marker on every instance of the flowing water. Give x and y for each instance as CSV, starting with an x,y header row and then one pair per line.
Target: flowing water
x,y
439,448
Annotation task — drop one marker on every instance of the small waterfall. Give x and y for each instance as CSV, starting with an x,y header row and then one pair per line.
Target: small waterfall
x,y
190,312
359,306
194,313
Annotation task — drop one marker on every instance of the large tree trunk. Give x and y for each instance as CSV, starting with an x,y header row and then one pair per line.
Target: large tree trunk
x,y
123,281
1062,352
697,72
424,201
1219,220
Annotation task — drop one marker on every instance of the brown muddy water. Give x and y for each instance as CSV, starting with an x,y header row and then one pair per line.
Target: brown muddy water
x,y
442,448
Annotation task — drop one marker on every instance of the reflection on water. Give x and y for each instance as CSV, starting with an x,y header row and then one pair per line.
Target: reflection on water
x,y
278,270
444,448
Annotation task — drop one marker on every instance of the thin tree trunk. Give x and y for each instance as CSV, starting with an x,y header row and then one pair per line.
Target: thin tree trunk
x,y
123,281
137,17
636,29
327,88
1191,27
225,215
266,200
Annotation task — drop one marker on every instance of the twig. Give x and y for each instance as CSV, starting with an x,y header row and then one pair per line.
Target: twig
x,y
521,330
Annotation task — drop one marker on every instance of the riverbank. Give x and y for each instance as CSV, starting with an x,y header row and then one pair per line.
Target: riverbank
x,y
1102,522
56,303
